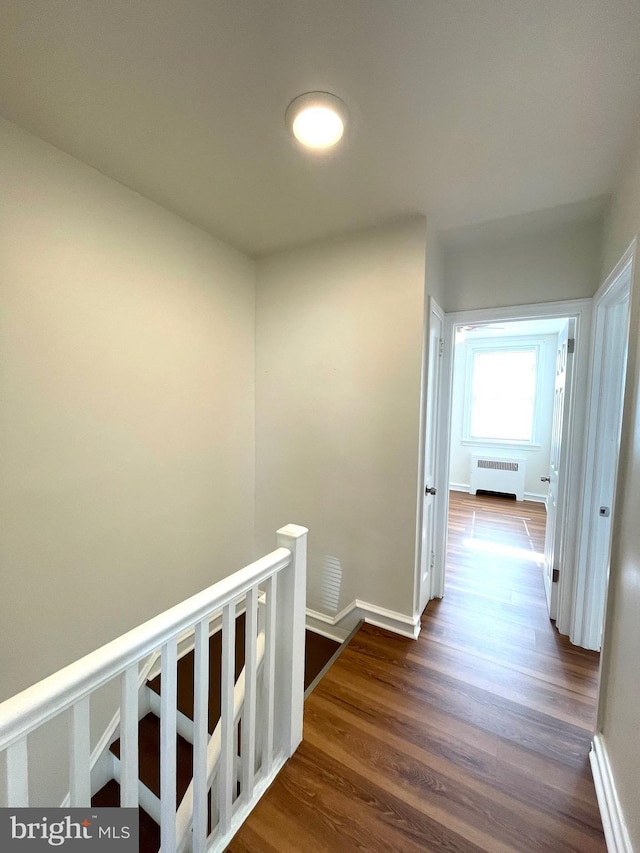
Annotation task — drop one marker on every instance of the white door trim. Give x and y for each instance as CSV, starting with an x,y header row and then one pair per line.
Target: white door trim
x,y
587,616
615,828
580,310
430,307
557,495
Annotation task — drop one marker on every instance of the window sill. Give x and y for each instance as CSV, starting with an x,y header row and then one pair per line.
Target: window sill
x,y
499,445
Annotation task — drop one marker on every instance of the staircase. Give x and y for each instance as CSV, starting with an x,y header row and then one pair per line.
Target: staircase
x,y
198,745
318,652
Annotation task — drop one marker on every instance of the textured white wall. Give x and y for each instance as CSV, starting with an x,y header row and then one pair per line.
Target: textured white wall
x,y
537,459
339,341
620,689
127,430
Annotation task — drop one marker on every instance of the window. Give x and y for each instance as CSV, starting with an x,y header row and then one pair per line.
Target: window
x,y
502,382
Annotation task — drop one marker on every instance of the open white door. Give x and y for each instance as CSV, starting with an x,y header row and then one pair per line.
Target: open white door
x,y
610,345
557,469
427,555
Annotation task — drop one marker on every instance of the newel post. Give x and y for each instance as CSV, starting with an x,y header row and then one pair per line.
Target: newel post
x,y
290,638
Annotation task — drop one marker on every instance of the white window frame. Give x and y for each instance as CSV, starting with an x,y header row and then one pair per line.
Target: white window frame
x,y
502,345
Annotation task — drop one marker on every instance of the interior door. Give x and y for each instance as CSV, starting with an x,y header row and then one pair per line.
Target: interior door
x,y
612,335
431,455
555,497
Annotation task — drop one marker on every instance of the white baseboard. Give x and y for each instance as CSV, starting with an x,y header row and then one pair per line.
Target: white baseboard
x,y
317,622
615,827
398,623
458,487
338,627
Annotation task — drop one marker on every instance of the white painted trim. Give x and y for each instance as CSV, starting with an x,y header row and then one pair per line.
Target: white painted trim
x,y
530,343
430,307
530,311
339,626
101,770
184,724
613,822
589,607
398,623
35,706
110,734
146,798
242,808
187,640
580,310
535,497
317,623
608,284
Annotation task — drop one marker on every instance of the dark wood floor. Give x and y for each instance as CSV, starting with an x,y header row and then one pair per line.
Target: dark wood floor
x,y
473,738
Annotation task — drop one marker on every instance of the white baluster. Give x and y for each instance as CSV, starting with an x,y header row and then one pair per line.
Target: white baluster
x,y
18,775
268,672
291,639
80,755
129,738
168,701
226,772
201,736
249,712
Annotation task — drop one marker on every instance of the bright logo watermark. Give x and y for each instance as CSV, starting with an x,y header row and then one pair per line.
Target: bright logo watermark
x,y
90,829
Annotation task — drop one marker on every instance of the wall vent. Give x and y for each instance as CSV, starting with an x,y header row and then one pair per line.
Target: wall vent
x,y
498,465
497,474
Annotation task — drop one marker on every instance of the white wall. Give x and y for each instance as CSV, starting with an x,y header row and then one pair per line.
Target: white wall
x,y
339,342
434,267
127,430
549,264
537,459
620,689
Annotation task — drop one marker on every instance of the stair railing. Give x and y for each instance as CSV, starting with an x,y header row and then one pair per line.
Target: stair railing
x,y
271,709
185,814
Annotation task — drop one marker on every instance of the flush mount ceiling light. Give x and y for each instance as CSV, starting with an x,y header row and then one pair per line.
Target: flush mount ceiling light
x,y
316,119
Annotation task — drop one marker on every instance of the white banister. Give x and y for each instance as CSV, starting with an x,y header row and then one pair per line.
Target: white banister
x,y
80,755
168,739
227,721
40,703
214,749
249,713
292,592
18,774
129,738
200,736
269,675
263,706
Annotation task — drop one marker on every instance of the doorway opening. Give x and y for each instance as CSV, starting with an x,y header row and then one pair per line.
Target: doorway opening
x,y
509,426
530,339
566,461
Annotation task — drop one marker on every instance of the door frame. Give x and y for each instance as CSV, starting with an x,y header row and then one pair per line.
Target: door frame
x,y
427,370
591,581
558,534
581,311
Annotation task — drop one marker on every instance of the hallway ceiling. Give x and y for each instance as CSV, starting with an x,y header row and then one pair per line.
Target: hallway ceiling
x,y
464,110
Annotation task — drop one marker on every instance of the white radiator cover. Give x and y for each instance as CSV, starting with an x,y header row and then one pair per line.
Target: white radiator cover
x,y
497,474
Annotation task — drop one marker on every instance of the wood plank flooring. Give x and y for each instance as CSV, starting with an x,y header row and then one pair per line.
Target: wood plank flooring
x,y
475,737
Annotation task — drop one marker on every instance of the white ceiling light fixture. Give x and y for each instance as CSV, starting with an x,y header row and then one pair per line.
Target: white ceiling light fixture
x,y
317,119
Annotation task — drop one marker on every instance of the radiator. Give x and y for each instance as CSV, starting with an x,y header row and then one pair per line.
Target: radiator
x,y
497,474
